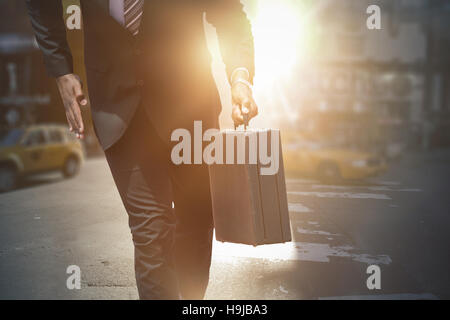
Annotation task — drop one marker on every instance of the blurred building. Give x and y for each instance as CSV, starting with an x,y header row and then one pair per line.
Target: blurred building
x,y
27,94
386,88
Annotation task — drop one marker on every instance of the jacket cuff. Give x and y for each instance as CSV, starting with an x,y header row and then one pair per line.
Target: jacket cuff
x,y
58,67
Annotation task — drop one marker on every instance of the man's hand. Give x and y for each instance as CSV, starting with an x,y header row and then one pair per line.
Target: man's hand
x,y
71,90
243,103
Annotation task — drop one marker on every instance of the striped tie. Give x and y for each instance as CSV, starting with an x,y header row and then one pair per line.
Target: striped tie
x,y
133,10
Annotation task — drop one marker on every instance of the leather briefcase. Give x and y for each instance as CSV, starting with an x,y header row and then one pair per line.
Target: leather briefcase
x,y
249,199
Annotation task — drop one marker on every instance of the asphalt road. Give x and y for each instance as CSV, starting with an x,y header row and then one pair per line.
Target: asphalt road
x,y
399,222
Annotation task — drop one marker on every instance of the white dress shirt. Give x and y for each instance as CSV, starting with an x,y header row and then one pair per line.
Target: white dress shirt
x,y
116,10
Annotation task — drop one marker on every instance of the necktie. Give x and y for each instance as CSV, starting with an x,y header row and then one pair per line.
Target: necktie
x,y
133,10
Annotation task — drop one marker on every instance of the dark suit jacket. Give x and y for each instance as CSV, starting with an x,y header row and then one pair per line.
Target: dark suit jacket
x,y
167,67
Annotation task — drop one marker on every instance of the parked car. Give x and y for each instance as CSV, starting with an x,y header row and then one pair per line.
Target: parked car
x,y
328,162
37,149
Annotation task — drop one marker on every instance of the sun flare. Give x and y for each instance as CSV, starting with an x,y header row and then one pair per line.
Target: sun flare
x,y
276,30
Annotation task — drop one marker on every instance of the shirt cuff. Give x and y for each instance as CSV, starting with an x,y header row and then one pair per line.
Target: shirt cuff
x,y
235,71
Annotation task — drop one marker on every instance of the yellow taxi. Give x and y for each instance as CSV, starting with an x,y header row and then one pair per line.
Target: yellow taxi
x,y
37,149
330,162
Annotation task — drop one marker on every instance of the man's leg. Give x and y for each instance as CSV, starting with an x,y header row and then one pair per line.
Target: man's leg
x,y
139,164
194,230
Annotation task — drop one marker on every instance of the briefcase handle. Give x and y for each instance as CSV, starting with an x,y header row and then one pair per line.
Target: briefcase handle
x,y
246,118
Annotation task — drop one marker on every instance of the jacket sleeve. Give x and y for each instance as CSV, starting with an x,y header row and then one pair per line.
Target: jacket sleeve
x,y
234,33
47,20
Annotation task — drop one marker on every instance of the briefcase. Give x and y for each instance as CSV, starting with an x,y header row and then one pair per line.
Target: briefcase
x,y
249,194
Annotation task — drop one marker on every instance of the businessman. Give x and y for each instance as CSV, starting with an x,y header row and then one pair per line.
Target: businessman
x,y
149,73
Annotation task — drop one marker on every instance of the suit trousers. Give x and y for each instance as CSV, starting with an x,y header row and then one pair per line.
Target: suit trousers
x,y
169,210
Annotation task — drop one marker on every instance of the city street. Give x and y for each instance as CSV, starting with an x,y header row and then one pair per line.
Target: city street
x,y
398,221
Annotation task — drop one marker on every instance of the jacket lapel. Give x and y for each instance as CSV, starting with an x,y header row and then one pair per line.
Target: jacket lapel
x,y
104,4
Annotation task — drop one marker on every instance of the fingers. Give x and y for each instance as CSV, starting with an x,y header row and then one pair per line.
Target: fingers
x,y
246,106
253,110
71,120
75,110
78,120
237,116
73,115
75,119
249,107
71,90
79,95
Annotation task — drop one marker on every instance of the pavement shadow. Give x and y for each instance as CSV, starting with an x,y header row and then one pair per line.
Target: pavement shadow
x,y
35,181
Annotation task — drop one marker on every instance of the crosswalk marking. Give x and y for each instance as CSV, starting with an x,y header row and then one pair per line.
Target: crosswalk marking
x,y
298,208
318,232
347,195
297,251
370,188
395,296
